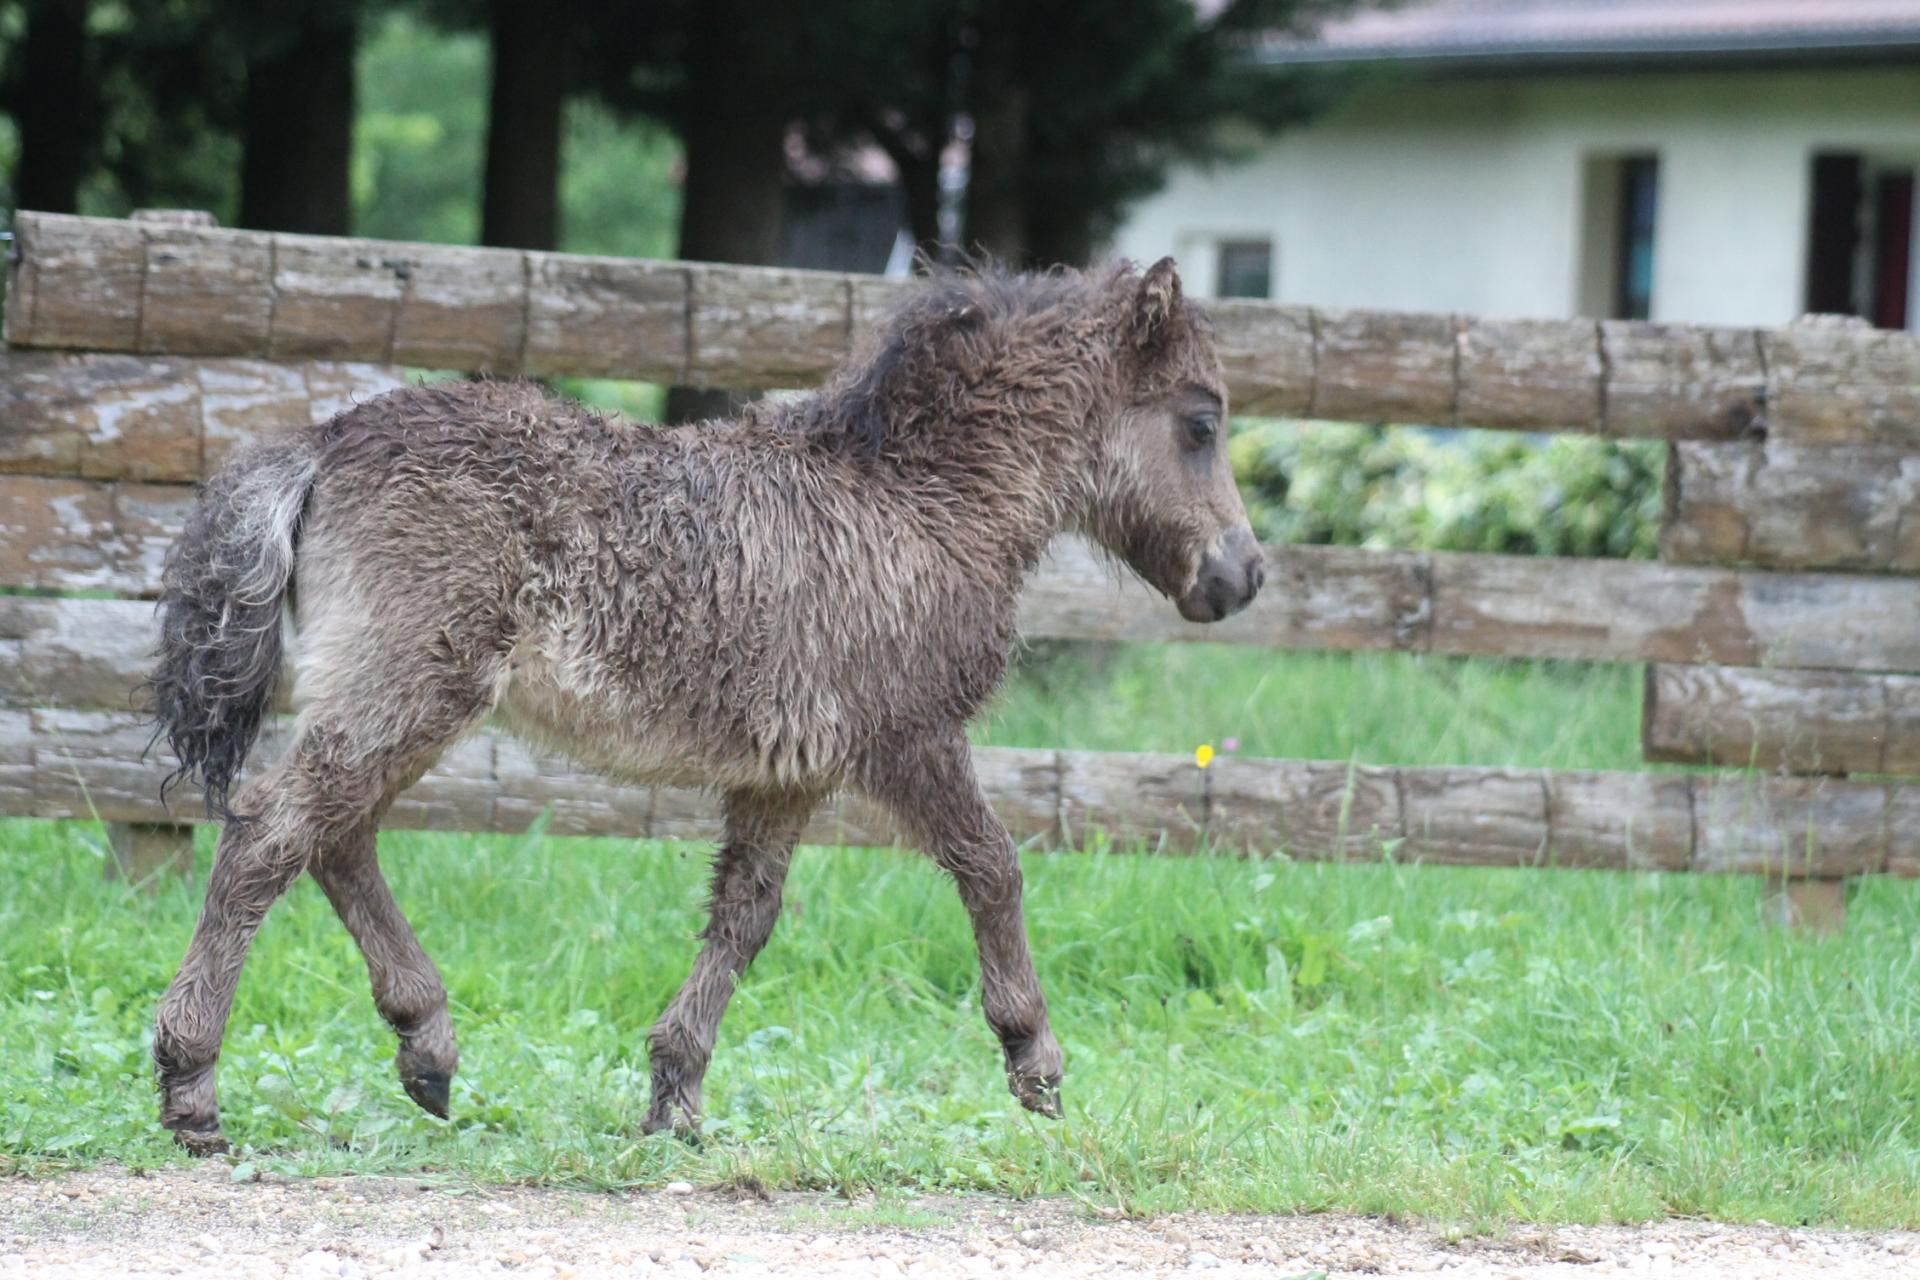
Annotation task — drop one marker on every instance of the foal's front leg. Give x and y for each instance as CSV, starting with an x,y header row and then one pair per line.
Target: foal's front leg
x,y
934,793
748,874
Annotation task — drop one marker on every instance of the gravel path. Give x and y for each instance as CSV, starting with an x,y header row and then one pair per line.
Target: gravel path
x,y
199,1223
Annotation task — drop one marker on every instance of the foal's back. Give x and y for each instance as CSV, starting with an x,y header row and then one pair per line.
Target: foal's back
x,y
724,603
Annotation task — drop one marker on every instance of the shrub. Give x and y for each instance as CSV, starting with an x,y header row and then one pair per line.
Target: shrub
x,y
1352,485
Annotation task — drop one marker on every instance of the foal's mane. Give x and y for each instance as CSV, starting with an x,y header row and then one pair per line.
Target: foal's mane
x,y
941,339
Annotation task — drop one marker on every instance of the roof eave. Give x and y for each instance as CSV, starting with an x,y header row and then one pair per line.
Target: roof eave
x,y
1878,46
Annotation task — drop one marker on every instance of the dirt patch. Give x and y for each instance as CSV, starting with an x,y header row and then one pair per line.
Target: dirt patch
x,y
200,1223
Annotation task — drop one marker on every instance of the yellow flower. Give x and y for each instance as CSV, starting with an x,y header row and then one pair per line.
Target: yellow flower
x,y
1203,755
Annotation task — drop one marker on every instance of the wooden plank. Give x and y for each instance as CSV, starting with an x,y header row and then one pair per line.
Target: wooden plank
x,y
77,535
104,285
111,416
1619,821
871,300
159,418
760,327
1626,610
1834,381
591,316
207,292
74,653
1789,827
1025,786
1800,721
1315,598
336,298
1903,830
72,763
1302,808
1520,373
1788,506
1681,381
1159,800
1474,817
18,747
1267,355
1381,366
75,282
463,309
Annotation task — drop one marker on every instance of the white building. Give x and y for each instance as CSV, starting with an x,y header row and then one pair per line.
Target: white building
x,y
1720,161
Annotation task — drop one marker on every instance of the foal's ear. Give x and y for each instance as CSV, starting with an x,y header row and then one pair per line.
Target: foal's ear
x,y
1157,300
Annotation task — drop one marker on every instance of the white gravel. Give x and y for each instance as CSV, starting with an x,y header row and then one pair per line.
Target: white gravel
x,y
200,1223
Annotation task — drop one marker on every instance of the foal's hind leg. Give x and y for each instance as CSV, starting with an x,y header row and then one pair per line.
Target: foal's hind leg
x,y
748,874
406,986
345,763
258,857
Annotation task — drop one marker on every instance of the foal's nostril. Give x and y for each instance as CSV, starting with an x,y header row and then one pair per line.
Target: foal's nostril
x,y
1256,577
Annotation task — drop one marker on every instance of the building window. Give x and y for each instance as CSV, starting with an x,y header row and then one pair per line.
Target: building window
x,y
1861,234
1639,189
1619,217
1245,269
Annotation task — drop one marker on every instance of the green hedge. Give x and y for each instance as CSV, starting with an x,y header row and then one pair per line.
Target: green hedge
x,y
1351,485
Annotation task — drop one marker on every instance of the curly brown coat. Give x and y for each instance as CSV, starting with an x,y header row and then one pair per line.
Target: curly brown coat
x,y
818,594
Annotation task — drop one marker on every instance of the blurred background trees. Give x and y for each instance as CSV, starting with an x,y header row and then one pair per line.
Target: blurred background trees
x,y
784,132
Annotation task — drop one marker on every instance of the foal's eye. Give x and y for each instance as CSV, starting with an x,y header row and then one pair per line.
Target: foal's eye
x,y
1202,428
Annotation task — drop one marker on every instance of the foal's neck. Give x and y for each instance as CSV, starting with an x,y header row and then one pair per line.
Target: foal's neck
x,y
1014,477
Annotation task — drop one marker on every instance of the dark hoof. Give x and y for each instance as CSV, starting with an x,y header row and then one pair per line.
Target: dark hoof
x,y
1040,1096
429,1089
683,1126
202,1142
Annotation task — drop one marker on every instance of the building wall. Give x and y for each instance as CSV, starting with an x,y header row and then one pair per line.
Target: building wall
x,y
1467,194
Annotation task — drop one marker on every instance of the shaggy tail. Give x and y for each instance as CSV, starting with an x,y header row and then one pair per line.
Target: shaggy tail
x,y
223,594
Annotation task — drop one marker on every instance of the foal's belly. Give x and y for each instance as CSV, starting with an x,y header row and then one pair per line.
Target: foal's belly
x,y
606,731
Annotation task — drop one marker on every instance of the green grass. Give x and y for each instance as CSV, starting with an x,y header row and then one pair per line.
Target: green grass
x,y
1464,1046
1382,708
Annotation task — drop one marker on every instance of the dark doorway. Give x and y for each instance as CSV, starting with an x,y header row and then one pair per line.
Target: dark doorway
x,y
1834,233
1893,239
1639,205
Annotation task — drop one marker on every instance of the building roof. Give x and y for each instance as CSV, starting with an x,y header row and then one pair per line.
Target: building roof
x,y
1526,32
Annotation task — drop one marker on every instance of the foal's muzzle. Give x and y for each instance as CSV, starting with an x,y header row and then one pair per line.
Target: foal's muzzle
x,y
1228,580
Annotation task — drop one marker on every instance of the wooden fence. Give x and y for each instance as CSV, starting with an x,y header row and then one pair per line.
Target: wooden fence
x,y
1781,626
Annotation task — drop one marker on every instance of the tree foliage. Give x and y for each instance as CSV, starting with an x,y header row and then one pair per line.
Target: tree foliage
x,y
1071,110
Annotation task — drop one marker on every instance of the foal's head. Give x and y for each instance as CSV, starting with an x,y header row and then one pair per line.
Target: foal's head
x,y
1162,496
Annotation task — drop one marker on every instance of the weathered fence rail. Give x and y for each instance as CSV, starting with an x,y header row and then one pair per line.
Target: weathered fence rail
x,y
170,418
1781,627
1790,506
1797,721
70,535
60,763
104,285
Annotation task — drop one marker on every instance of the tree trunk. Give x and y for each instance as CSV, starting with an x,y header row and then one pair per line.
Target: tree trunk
x,y
736,163
1059,235
919,171
996,177
298,137
521,207
55,112
920,181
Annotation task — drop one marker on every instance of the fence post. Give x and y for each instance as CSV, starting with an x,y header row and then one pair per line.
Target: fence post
x,y
1816,905
144,850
